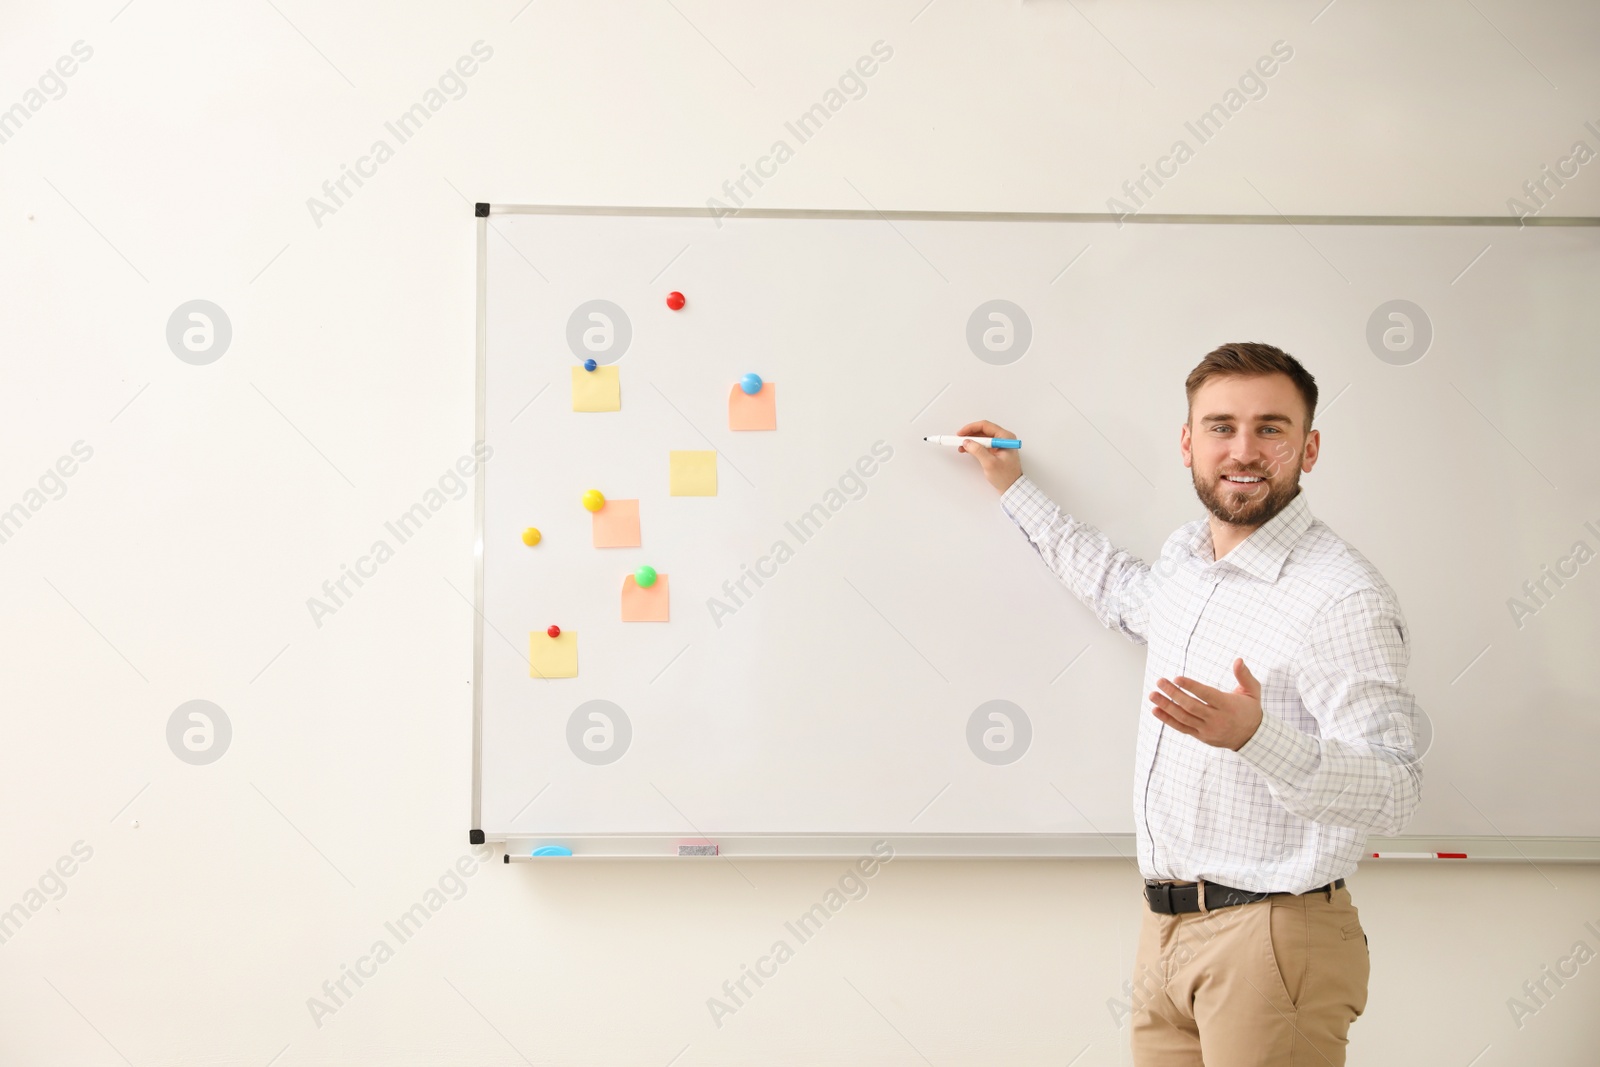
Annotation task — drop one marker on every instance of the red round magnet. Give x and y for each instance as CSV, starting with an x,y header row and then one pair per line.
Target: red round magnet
x,y
554,631
675,301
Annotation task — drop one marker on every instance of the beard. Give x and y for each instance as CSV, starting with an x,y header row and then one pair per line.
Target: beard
x,y
1247,505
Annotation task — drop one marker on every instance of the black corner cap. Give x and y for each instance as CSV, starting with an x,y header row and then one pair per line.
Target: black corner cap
x,y
480,211
475,837
506,858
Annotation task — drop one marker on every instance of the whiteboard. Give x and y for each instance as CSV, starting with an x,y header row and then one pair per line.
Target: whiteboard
x,y
838,695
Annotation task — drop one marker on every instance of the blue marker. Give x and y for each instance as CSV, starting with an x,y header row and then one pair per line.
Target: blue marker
x,y
987,442
552,850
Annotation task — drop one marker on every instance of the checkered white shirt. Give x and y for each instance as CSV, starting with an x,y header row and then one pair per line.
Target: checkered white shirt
x,y
1334,758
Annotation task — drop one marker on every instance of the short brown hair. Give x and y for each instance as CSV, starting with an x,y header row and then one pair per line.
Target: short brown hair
x,y
1250,359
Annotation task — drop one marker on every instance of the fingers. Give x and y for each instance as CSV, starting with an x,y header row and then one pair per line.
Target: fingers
x,y
1178,726
1204,692
1186,703
1169,711
972,448
1001,467
1181,694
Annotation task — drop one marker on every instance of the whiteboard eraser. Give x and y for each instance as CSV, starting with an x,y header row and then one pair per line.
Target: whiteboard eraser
x,y
697,850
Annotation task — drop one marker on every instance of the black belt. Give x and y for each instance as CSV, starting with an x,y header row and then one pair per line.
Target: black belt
x,y
1165,898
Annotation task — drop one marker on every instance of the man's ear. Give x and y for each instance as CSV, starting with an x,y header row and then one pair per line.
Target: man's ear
x,y
1183,445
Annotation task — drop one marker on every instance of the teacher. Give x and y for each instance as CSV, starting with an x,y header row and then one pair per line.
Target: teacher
x,y
1279,733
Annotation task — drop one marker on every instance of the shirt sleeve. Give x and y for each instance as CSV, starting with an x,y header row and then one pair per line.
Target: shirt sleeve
x,y
1114,584
1361,767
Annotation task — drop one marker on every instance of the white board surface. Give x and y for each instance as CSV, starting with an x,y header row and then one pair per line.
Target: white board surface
x,y
835,697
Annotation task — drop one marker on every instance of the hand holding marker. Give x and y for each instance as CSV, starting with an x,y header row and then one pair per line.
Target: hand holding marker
x,y
1001,462
986,442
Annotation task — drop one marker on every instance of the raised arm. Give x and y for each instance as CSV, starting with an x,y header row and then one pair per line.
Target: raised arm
x,y
1114,584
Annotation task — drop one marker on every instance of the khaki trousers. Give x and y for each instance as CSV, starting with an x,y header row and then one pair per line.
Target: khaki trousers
x,y
1267,984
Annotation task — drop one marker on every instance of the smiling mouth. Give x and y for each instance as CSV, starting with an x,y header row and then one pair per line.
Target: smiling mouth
x,y
1244,481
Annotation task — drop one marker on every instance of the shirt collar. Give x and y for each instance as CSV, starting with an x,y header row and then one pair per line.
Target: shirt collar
x,y
1263,553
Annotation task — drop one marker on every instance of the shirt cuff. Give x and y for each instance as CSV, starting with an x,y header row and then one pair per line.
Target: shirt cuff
x,y
1281,753
1022,493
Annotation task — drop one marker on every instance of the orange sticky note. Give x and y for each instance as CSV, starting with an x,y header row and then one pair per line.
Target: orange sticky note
x,y
758,412
645,605
616,525
553,657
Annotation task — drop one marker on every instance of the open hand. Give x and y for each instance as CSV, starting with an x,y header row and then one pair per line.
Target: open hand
x,y
1223,720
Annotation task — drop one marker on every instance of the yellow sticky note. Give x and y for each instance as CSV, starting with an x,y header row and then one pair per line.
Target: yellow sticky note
x,y
596,390
758,412
694,473
616,525
645,605
553,657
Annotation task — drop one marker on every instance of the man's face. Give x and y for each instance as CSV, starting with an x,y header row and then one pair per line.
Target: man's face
x,y
1246,445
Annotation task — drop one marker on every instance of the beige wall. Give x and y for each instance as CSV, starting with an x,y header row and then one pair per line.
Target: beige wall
x,y
176,162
